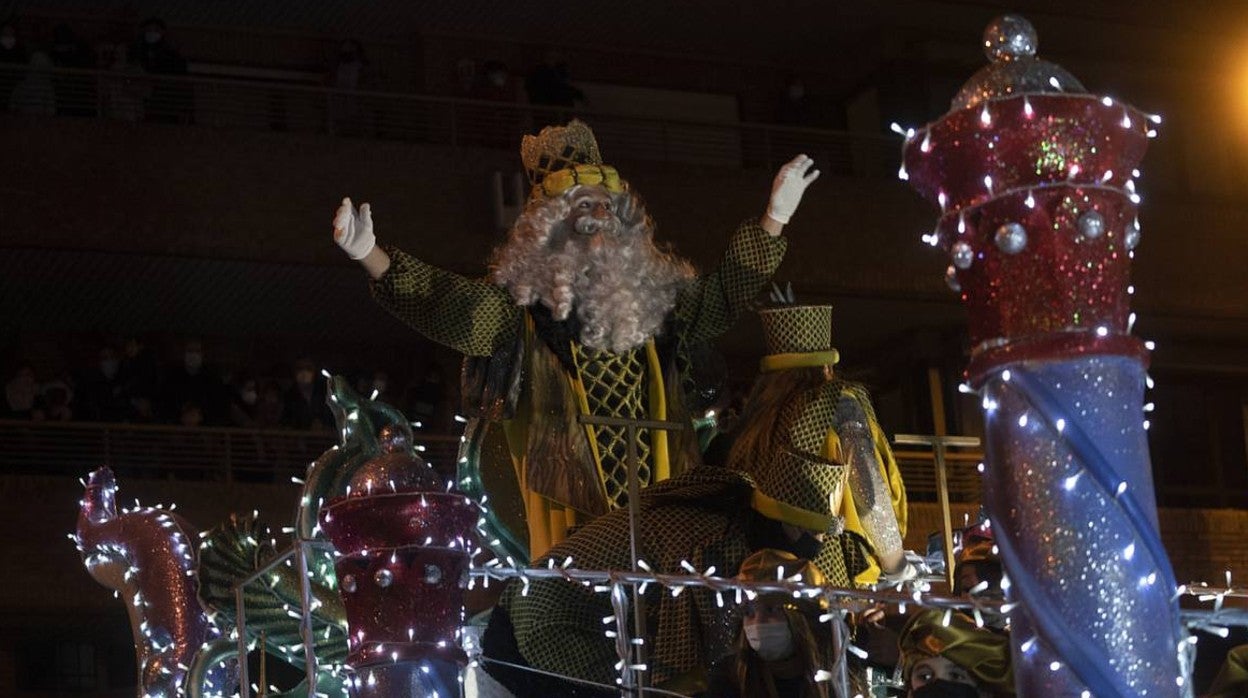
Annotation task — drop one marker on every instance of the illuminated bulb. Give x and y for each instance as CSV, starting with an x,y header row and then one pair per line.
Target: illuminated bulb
x,y
1130,321
988,183
1150,345
1131,290
1061,425
897,129
902,174
1022,421
1005,375
985,117
1107,101
1070,482
1102,331
1054,666
1027,110
1030,201
1109,174
1126,120
1122,487
926,145
1149,406
980,467
1128,552
965,388
1075,169
942,200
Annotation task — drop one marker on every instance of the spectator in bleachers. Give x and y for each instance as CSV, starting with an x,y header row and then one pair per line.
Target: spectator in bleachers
x,y
102,392
198,383
245,402
75,94
349,73
167,103
58,399
140,377
21,395
123,92
34,94
426,399
794,107
305,406
12,54
549,84
270,408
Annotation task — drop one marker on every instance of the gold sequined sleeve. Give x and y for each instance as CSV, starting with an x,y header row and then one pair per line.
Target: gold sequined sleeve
x,y
471,316
710,305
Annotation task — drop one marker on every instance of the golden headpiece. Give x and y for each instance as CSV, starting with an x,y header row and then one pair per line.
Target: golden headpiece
x,y
561,157
984,654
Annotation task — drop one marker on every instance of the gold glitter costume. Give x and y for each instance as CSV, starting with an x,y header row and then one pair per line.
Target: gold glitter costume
x,y
536,379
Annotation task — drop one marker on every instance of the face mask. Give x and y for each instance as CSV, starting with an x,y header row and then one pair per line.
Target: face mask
x,y
8,42
772,641
194,360
249,397
151,37
946,689
109,367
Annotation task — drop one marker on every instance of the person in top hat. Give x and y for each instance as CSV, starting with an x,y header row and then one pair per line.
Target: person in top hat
x,y
582,314
947,656
781,644
799,409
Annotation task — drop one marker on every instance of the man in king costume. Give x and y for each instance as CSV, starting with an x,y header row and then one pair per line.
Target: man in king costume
x,y
582,314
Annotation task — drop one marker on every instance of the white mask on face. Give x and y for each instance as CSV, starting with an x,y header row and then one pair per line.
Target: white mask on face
x,y
772,640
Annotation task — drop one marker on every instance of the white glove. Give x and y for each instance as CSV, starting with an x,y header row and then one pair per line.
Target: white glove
x,y
354,231
907,573
787,189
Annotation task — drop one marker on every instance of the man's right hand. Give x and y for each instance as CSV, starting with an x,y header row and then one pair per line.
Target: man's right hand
x,y
354,231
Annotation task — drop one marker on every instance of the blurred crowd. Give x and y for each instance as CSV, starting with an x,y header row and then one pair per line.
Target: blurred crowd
x,y
129,383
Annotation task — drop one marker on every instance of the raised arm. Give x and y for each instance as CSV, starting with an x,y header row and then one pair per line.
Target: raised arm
x,y
471,316
712,303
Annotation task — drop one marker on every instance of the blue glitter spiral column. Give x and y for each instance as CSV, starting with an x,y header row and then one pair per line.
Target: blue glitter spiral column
x,y
1071,499
1035,179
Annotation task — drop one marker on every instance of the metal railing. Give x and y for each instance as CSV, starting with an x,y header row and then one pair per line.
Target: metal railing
x,y
274,106
190,453
275,455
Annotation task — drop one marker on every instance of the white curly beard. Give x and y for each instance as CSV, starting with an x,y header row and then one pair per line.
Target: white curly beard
x,y
620,285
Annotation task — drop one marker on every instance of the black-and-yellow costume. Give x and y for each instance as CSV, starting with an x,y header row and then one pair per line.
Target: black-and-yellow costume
x,y
705,517
536,379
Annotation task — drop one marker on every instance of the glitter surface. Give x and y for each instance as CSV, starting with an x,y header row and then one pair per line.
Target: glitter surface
x,y
405,552
1086,562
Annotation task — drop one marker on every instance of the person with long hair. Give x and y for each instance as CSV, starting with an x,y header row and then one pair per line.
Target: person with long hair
x,y
780,645
799,408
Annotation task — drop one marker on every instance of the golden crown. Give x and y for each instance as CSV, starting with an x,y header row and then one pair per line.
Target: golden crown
x,y
558,148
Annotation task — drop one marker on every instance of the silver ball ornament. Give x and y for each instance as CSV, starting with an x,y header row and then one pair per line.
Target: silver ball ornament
x,y
1010,37
1132,237
951,278
433,574
383,577
348,583
1091,225
963,254
1011,237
